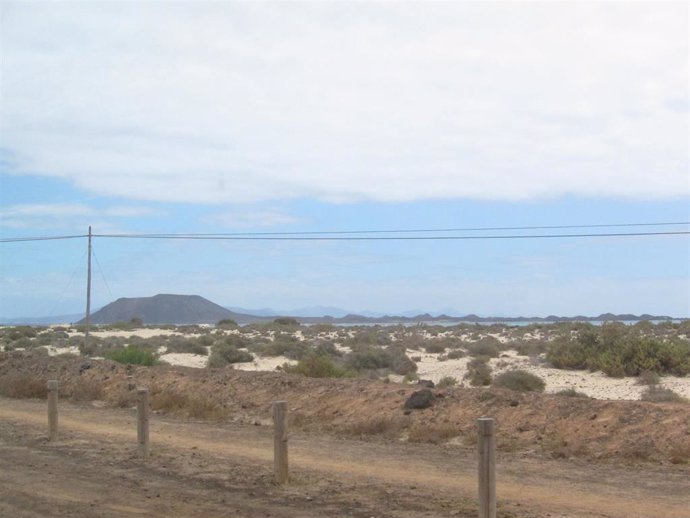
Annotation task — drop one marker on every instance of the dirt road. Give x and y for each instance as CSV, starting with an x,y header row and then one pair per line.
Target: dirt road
x,y
202,469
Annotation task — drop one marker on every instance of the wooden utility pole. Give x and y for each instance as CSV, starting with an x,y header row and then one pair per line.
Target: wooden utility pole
x,y
487,468
143,422
88,295
52,410
280,441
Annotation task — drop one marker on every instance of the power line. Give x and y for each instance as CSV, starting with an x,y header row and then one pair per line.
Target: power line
x,y
217,237
357,235
416,230
98,263
40,238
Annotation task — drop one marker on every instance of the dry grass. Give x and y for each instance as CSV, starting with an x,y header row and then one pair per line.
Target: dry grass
x,y
389,427
23,386
434,434
87,389
198,407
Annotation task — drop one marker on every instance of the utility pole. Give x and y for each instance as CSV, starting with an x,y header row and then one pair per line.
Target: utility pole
x,y
88,294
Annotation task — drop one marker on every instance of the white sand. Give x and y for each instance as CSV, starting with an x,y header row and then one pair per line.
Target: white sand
x,y
596,385
185,359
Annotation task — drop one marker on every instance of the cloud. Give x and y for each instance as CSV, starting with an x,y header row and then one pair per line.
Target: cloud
x,y
67,215
244,102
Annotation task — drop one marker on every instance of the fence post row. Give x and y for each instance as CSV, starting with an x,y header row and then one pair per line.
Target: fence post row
x,y
487,468
52,410
143,421
280,441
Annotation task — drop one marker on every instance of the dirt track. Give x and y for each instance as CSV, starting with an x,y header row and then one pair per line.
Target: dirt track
x,y
201,469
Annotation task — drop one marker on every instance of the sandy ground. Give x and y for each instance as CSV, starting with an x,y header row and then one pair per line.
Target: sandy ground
x,y
594,384
206,469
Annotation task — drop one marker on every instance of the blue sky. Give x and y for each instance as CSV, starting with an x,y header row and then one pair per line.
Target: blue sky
x,y
263,117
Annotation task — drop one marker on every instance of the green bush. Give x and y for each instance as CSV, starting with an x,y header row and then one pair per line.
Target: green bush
x,y
519,380
434,347
367,358
447,381
657,394
287,346
487,346
318,366
455,354
223,354
619,352
132,355
479,372
178,344
226,323
286,321
571,392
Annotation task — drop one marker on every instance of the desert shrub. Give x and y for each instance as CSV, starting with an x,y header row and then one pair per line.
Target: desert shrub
x,y
321,328
191,329
205,340
87,389
455,354
434,347
648,378
286,321
238,341
479,371
178,344
132,355
528,347
618,352
433,433
363,358
571,392
198,407
17,332
411,341
226,323
487,346
368,336
326,348
287,346
24,342
658,394
318,366
519,380
223,354
447,381
16,385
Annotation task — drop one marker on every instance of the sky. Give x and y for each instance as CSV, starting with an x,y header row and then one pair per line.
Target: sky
x,y
242,117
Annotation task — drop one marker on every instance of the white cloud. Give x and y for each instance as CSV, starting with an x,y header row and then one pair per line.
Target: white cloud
x,y
67,215
245,102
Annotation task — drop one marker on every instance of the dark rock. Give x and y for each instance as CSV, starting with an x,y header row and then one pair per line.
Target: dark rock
x,y
420,399
514,402
426,383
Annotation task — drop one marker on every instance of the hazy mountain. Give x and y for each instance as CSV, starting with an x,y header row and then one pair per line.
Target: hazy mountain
x,y
193,309
166,309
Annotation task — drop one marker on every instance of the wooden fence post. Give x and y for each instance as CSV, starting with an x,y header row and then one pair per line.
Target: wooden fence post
x,y
52,410
143,421
487,468
280,441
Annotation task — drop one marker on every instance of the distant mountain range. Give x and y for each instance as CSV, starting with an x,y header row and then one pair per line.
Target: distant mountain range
x,y
193,309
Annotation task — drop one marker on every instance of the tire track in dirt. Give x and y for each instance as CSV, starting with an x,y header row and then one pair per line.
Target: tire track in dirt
x,y
532,486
